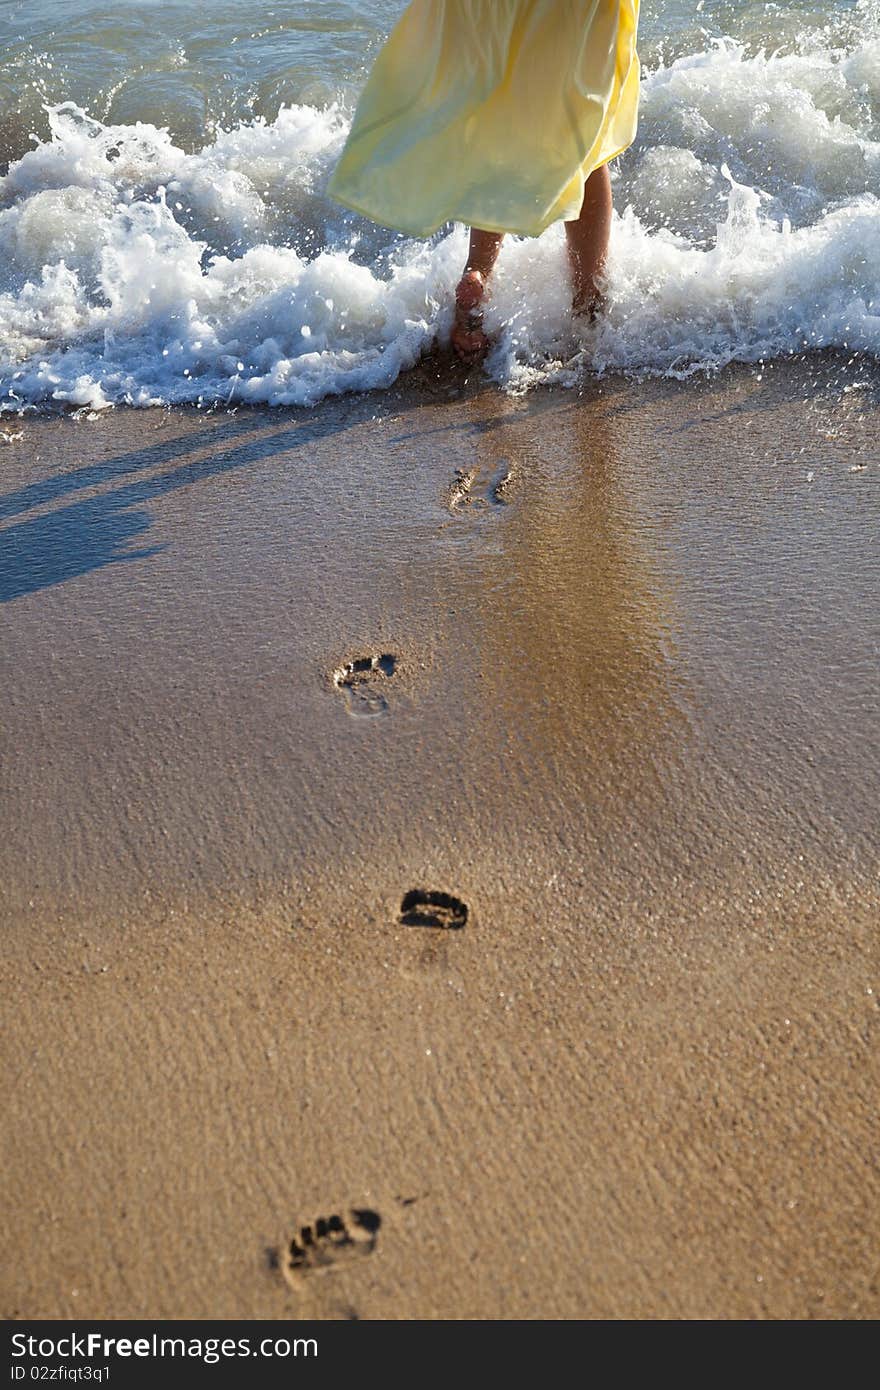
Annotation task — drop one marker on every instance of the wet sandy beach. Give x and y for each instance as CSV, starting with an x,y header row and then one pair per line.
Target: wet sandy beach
x,y
601,667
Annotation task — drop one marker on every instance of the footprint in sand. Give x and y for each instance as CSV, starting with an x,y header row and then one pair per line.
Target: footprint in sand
x,y
329,1241
460,495
360,681
464,494
424,908
504,485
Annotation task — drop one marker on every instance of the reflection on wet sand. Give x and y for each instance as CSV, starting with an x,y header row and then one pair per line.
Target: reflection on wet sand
x,y
578,659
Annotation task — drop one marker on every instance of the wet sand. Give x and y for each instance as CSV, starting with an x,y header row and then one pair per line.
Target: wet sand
x,y
623,709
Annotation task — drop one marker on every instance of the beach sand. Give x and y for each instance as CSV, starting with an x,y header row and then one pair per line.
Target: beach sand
x,y
624,709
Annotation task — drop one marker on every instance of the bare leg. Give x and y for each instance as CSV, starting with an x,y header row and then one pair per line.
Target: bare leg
x,y
468,338
588,241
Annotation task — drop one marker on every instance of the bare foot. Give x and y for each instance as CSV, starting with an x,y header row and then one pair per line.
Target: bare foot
x,y
468,339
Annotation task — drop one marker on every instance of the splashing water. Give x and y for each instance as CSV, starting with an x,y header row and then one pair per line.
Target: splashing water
x,y
140,267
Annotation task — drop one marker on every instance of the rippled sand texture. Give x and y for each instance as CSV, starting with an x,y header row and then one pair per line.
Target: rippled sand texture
x,y
439,855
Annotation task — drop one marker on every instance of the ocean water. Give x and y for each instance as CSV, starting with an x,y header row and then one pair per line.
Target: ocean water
x,y
164,234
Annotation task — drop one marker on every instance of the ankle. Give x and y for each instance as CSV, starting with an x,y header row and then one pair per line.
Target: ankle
x,y
589,304
471,288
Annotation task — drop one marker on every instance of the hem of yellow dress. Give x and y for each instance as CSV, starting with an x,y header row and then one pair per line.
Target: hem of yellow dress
x,y
484,226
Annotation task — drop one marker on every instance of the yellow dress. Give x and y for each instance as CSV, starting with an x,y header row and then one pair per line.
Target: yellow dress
x,y
491,112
